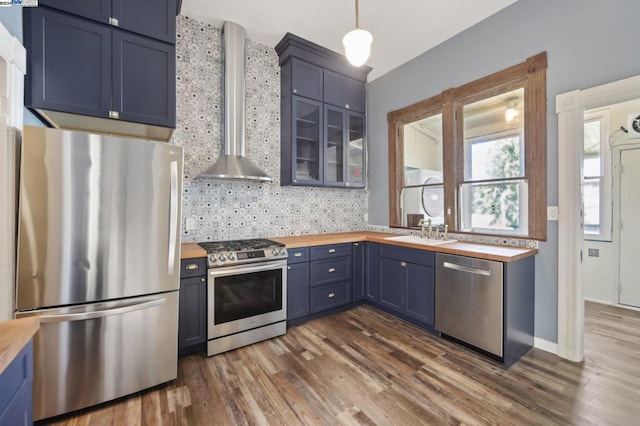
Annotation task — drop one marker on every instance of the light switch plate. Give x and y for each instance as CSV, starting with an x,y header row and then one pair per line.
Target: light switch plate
x,y
190,224
552,212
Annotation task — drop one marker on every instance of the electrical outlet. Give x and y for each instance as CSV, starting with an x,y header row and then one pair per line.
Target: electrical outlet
x,y
552,212
190,223
366,217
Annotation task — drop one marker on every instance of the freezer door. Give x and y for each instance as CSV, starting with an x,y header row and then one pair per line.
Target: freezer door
x,y
89,354
98,220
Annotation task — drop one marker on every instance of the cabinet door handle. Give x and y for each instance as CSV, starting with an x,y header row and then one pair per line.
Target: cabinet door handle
x,y
192,267
332,250
297,254
346,106
202,279
332,295
295,90
289,268
114,114
332,270
403,264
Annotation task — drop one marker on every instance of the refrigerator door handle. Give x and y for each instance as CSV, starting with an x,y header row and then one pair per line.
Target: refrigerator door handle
x,y
173,218
82,316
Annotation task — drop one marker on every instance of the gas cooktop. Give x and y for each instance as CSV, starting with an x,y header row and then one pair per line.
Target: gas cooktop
x,y
234,252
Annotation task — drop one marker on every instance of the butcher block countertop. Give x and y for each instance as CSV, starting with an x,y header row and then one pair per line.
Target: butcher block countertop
x,y
480,251
14,335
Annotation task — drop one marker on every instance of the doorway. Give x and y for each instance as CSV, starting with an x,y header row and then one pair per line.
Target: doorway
x,y
570,107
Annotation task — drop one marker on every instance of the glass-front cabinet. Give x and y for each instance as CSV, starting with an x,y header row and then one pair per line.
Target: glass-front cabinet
x,y
307,136
355,167
322,117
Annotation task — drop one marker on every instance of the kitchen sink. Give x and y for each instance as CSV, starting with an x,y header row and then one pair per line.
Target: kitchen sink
x,y
414,239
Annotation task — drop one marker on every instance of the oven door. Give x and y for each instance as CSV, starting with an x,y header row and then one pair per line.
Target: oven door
x,y
245,297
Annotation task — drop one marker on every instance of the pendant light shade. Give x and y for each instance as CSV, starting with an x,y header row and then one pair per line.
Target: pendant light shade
x,y
357,44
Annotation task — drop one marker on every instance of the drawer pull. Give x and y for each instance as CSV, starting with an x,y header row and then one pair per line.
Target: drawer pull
x,y
192,267
356,244
299,254
332,250
332,270
332,295
403,264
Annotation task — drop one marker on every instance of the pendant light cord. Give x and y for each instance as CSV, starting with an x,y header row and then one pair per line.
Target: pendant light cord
x,y
357,16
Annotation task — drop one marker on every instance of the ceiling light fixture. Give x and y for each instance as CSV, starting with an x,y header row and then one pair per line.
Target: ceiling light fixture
x,y
511,112
357,44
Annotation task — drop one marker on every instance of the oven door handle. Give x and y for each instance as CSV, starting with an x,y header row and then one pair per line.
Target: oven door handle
x,y
247,269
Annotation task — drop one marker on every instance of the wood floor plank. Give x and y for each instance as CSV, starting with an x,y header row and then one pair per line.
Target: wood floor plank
x,y
364,367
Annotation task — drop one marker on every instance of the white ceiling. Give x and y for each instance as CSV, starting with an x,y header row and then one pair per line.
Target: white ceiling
x,y
402,29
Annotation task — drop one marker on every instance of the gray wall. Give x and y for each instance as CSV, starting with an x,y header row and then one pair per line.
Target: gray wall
x,y
588,43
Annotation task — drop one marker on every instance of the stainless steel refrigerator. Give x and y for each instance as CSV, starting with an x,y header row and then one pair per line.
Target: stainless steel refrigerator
x,y
98,262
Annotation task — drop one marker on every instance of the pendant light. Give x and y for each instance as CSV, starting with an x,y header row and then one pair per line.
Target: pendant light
x,y
357,44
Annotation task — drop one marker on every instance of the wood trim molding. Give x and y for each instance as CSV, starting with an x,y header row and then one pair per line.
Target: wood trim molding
x,y
570,107
531,75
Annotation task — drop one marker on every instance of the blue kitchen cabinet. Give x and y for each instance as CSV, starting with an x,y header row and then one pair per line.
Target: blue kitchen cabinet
x,y
322,116
406,282
82,67
16,400
298,283
192,313
371,269
68,63
392,283
343,91
144,88
152,18
359,283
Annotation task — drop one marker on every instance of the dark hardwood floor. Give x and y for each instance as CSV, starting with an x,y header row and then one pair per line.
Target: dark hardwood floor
x,y
366,367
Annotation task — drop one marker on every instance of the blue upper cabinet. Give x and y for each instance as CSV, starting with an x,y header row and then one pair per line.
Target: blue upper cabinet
x,y
139,96
152,18
76,64
69,63
334,155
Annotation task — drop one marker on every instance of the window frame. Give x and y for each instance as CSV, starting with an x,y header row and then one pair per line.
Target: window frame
x,y
465,214
530,75
605,178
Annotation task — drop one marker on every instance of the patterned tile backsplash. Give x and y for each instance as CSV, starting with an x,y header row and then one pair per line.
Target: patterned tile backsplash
x,y
228,209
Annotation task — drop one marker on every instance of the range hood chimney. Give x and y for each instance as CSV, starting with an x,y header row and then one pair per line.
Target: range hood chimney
x,y
233,164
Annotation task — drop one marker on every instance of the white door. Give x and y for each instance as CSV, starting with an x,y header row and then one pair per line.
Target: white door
x,y
630,227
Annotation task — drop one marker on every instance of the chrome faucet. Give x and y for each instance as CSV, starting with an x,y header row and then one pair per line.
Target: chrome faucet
x,y
421,225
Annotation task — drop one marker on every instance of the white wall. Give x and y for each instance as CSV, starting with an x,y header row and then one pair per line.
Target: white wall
x,y
601,273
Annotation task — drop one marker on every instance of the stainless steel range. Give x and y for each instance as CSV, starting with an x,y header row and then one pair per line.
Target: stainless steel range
x,y
247,292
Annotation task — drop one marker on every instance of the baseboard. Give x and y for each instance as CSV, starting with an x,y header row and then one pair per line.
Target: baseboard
x,y
545,345
602,302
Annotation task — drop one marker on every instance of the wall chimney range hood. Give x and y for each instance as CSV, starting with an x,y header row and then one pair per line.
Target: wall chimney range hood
x,y
233,164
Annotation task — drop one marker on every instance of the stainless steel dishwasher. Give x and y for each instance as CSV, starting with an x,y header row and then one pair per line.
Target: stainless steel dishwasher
x,y
469,301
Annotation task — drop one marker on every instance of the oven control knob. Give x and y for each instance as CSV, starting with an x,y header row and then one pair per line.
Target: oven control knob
x,y
283,251
222,258
231,256
274,251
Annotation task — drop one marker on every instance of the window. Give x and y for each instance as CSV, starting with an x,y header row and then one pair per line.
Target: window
x,y
596,170
485,170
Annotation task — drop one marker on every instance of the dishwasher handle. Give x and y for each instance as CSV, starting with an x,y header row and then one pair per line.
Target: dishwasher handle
x,y
469,269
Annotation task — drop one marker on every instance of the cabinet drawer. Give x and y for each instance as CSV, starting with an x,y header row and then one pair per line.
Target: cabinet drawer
x,y
330,251
329,296
297,255
193,267
421,257
330,270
